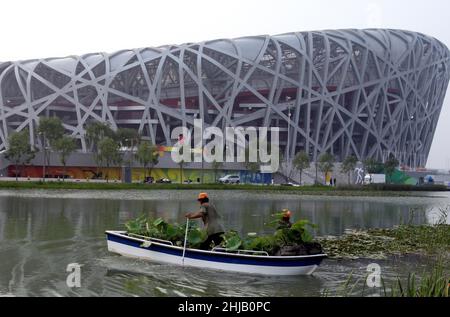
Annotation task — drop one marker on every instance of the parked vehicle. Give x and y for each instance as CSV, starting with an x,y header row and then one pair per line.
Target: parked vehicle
x,y
163,181
291,184
149,180
230,179
375,179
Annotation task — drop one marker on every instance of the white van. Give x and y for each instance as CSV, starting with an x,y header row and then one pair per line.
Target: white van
x,y
375,179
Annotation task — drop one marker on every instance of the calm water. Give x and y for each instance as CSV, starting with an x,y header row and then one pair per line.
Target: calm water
x,y
41,232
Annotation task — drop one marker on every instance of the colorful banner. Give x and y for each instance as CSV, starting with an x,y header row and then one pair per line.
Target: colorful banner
x,y
138,174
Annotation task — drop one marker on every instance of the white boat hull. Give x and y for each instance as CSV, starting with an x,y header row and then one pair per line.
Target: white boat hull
x,y
121,244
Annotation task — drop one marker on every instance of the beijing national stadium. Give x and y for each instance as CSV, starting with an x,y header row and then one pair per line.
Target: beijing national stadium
x,y
368,93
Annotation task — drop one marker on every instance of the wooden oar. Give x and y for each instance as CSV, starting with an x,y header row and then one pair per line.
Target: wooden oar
x,y
185,239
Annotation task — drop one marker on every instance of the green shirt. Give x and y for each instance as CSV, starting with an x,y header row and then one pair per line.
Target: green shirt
x,y
211,219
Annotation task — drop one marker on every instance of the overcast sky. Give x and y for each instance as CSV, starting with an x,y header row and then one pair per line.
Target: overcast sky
x,y
53,28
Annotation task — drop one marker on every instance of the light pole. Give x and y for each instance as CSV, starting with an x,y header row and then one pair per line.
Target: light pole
x,y
289,133
42,134
202,151
288,152
203,157
129,154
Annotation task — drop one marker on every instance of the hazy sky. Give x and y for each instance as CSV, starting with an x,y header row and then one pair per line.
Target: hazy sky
x,y
51,28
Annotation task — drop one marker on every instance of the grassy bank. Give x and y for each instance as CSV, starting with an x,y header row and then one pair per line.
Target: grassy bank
x,y
396,188
140,186
387,190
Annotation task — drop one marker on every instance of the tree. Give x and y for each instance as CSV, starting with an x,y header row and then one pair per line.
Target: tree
x,y
109,153
127,137
95,132
128,140
326,163
301,162
147,155
349,165
216,165
390,165
50,129
370,165
65,146
19,149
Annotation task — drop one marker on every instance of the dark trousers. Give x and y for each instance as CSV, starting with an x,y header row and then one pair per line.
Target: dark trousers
x,y
215,238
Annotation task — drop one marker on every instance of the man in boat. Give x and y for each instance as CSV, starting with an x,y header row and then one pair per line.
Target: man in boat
x,y
211,220
285,221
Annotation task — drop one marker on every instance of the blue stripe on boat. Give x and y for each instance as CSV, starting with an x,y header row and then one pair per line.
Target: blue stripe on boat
x,y
218,257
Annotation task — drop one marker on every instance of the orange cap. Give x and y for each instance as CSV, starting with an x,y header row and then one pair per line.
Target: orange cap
x,y
287,213
202,196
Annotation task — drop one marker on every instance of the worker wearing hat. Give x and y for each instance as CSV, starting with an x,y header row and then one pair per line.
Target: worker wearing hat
x,y
285,221
211,220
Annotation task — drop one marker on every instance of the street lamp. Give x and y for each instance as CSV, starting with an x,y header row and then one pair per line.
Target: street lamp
x,y
196,115
129,154
288,125
42,134
288,152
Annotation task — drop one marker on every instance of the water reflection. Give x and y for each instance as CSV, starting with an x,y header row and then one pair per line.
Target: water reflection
x,y
32,218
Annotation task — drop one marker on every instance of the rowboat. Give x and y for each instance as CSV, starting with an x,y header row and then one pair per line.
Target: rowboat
x,y
243,261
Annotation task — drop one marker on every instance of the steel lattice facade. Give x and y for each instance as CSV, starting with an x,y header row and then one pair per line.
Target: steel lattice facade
x,y
362,92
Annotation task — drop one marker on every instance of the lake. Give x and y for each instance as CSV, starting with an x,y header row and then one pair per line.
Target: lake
x,y
42,231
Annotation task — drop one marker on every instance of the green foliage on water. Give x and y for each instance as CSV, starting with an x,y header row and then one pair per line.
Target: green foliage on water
x,y
403,239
